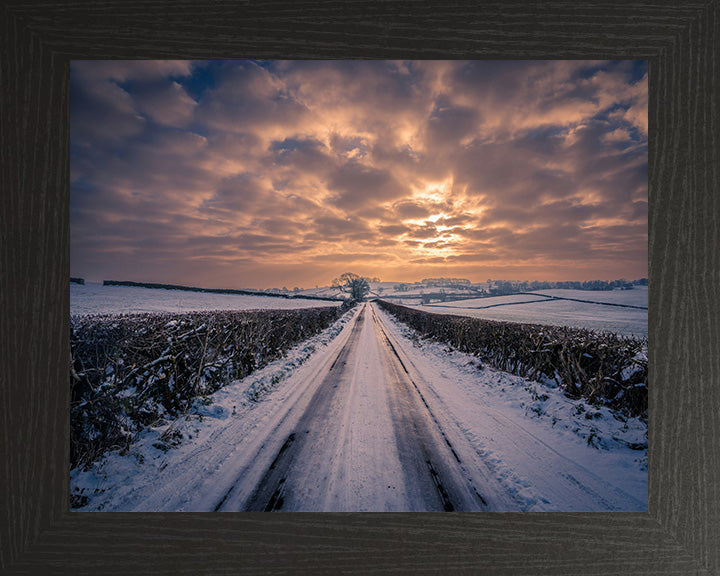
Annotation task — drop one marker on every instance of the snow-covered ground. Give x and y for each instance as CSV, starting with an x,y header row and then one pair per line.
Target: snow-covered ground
x,y
537,310
638,296
491,301
522,445
220,438
416,289
92,298
551,453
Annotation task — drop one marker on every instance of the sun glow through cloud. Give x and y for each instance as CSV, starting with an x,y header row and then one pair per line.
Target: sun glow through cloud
x,y
260,174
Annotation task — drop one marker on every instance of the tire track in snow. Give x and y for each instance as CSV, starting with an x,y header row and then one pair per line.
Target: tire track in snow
x,y
522,465
457,492
338,436
272,482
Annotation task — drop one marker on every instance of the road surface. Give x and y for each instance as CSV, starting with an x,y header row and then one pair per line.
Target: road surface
x,y
366,441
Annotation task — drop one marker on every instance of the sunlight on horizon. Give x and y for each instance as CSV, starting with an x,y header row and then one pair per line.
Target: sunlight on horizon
x,y
267,173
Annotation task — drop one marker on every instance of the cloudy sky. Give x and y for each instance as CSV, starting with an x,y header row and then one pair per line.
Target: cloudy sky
x,y
262,174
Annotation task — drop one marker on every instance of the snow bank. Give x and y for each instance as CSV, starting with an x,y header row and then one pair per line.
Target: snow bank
x,y
551,453
128,372
584,363
170,458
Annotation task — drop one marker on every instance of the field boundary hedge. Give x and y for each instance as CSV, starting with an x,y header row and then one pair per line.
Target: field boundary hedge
x,y
602,367
129,371
155,286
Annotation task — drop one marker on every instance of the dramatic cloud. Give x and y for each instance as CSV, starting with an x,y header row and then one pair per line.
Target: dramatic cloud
x,y
259,174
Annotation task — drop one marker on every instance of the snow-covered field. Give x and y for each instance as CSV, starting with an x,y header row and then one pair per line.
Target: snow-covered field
x,y
523,445
638,296
535,310
416,289
92,298
491,301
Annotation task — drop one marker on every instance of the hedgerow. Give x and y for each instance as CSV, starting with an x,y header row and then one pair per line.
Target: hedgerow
x,y
130,371
602,367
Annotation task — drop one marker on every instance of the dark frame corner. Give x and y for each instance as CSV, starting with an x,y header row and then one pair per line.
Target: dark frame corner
x,y
680,534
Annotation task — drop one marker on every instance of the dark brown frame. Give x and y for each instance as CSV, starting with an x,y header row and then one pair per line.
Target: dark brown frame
x,y
681,532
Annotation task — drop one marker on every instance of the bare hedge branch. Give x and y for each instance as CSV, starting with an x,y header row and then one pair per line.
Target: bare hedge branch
x,y
602,367
130,371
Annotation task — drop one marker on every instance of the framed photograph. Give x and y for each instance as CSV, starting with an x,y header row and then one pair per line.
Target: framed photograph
x,y
252,176
72,75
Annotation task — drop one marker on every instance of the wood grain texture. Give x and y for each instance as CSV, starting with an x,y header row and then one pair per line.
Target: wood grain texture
x,y
680,535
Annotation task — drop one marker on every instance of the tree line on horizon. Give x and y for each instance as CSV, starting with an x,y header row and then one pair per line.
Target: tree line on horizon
x,y
502,287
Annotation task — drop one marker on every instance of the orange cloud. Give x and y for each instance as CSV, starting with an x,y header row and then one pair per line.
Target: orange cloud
x,y
254,174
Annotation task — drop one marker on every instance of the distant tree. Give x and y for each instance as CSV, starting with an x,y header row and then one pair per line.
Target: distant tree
x,y
504,287
352,284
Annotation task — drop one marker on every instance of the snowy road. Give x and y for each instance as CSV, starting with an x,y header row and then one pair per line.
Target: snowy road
x,y
375,421
366,441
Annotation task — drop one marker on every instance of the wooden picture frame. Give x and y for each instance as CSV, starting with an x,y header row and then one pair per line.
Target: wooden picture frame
x,y
681,532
